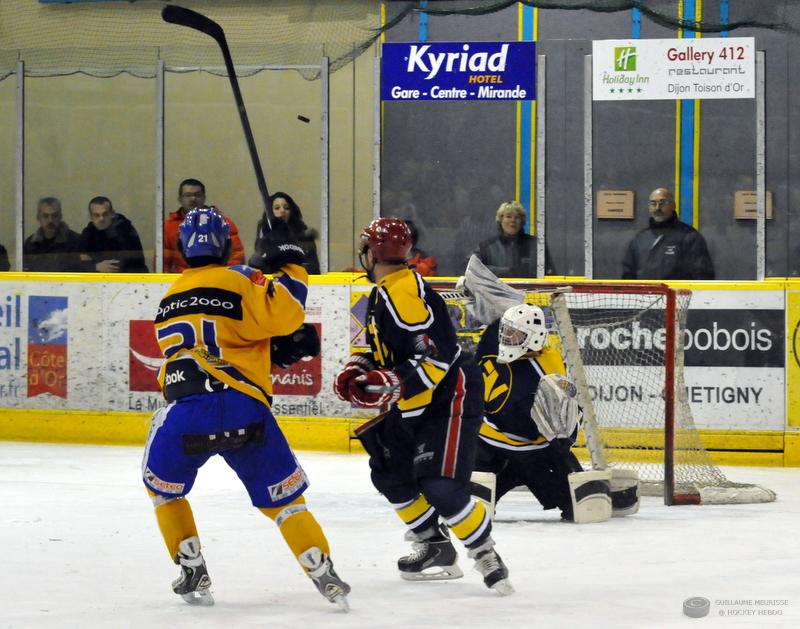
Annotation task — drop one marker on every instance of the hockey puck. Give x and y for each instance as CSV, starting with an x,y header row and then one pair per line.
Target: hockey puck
x,y
303,119
696,607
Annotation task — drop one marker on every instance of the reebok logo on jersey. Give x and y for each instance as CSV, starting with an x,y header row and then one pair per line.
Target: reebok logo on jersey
x,y
175,377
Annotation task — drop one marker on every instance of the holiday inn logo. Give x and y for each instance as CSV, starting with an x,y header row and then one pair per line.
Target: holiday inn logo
x,y
625,59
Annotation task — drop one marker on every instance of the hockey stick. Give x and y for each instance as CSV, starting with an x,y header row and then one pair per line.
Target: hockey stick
x,y
375,388
191,19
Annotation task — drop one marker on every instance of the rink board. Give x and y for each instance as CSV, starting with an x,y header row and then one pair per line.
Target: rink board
x,y
78,361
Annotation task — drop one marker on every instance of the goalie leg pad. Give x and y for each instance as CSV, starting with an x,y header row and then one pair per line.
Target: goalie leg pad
x,y
483,486
591,496
624,492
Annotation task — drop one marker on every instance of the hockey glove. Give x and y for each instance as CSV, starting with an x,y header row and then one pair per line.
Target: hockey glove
x,y
555,409
358,365
278,248
380,387
302,343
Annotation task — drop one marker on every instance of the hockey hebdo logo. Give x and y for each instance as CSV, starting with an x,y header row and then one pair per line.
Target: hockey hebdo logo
x,y
459,71
712,338
47,346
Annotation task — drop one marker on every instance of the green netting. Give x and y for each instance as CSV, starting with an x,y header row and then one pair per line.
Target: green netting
x,y
105,39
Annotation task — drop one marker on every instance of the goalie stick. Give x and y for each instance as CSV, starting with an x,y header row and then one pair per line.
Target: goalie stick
x,y
191,19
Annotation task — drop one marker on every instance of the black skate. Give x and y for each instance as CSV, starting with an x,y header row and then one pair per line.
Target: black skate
x,y
433,557
194,582
319,567
494,571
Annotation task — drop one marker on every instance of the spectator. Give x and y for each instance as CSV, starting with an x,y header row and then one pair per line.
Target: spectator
x,y
54,247
420,261
512,253
284,208
110,243
667,249
5,265
192,194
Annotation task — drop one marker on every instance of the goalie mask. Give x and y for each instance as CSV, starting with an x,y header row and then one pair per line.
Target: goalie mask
x,y
522,330
204,234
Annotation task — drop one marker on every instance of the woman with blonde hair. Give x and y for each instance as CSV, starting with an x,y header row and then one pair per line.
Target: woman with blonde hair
x,y
512,252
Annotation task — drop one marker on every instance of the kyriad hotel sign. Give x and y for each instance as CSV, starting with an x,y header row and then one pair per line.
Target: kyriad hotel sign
x,y
673,69
459,71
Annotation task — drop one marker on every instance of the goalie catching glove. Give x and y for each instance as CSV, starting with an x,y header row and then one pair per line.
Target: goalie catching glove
x,y
380,387
555,409
302,343
277,248
358,365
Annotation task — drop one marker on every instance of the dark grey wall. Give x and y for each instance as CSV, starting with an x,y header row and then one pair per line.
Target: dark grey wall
x,y
449,165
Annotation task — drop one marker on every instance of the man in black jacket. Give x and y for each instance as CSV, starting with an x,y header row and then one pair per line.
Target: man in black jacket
x,y
110,242
668,249
54,246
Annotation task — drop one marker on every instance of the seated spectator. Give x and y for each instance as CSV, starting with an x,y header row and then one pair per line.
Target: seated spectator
x,y
110,243
5,265
192,194
54,247
418,260
667,249
512,253
285,209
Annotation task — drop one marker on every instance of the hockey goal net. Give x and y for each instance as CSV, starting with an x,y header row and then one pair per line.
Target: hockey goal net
x,y
623,346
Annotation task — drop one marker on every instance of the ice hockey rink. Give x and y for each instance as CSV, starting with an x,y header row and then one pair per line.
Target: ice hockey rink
x,y
80,548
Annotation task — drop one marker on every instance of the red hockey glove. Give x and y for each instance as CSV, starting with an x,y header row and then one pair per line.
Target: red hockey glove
x,y
380,387
358,365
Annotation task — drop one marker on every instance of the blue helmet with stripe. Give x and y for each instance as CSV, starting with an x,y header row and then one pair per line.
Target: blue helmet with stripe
x,y
205,234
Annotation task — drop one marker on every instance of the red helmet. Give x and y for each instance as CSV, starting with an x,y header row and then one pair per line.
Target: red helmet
x,y
389,239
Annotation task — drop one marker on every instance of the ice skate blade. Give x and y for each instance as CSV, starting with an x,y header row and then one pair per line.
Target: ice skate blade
x,y
203,599
437,573
503,587
341,601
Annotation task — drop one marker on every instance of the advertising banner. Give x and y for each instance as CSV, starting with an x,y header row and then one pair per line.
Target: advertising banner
x,y
459,71
733,363
673,69
90,346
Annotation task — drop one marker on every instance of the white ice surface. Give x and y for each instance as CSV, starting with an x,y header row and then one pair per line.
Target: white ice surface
x,y
79,547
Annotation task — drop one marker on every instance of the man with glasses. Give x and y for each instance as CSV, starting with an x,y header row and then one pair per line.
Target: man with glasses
x,y
192,194
667,249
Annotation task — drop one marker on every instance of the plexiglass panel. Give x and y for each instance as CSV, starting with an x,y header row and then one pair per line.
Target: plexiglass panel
x,y
88,137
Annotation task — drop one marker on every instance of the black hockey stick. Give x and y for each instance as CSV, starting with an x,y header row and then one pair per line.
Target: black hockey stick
x,y
186,17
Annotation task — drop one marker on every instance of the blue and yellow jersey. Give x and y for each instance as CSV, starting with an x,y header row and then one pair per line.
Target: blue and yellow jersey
x,y
223,317
508,393
410,331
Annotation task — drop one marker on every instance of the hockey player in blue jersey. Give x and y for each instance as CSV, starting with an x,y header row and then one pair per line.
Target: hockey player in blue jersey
x,y
216,326
422,447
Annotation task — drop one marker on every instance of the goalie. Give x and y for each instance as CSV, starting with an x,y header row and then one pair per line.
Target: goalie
x,y
531,421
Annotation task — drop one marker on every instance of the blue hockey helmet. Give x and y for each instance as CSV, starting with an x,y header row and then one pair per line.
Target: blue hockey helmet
x,y
204,233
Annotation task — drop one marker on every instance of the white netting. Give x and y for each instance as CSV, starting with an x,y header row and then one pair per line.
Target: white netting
x,y
622,342
614,341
